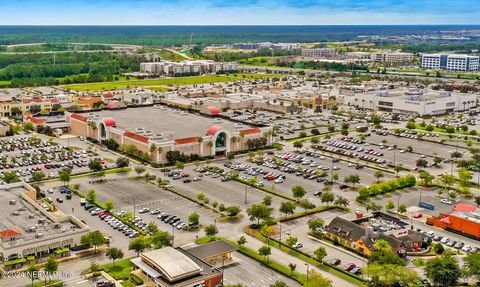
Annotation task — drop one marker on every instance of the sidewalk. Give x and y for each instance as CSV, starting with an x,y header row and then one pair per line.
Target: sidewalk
x,y
284,258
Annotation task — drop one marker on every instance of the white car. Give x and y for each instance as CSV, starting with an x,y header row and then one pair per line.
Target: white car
x,y
278,180
446,201
143,210
197,179
259,184
466,248
297,245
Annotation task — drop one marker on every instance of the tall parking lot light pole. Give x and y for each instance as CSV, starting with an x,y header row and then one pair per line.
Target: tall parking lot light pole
x,y
308,270
394,154
246,192
331,172
280,231
173,236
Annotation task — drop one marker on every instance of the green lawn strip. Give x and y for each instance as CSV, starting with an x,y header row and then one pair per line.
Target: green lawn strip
x,y
164,82
121,270
335,270
102,206
237,179
351,160
254,255
304,139
50,283
85,174
312,211
194,200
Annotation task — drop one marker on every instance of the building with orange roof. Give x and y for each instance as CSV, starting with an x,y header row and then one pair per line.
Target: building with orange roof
x,y
464,219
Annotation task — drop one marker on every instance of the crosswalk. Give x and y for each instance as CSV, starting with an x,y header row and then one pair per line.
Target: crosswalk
x,y
77,281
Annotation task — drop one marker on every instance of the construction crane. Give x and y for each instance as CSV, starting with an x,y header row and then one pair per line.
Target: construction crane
x,y
191,38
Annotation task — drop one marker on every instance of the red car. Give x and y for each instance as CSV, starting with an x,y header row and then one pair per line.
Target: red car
x,y
37,168
185,174
271,177
47,166
349,266
417,215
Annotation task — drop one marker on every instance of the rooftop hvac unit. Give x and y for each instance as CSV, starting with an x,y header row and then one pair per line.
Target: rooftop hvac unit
x,y
414,91
383,94
446,94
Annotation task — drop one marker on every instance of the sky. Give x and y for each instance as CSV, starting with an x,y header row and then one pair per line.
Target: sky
x,y
238,12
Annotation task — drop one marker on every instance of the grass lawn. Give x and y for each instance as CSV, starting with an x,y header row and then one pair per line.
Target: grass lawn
x,y
127,284
120,271
4,83
50,283
162,83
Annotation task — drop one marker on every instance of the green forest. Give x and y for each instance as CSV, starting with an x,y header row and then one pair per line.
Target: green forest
x,y
22,70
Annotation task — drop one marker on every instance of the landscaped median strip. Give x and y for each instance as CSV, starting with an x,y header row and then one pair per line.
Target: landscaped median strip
x,y
245,182
334,270
254,255
313,211
102,206
80,175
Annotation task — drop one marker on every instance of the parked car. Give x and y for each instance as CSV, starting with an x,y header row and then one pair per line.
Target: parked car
x,y
297,245
349,266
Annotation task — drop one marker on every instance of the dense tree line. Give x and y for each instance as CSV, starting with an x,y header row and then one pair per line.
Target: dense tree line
x,y
75,68
234,56
322,66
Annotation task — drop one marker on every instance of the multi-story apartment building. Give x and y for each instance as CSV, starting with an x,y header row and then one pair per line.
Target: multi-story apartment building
x,y
319,53
186,67
392,57
266,45
450,62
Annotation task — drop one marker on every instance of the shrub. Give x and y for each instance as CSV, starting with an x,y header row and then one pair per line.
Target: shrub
x,y
221,207
135,279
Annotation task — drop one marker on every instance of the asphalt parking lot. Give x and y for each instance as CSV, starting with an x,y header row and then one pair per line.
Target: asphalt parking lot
x,y
123,193
227,193
311,186
24,156
252,273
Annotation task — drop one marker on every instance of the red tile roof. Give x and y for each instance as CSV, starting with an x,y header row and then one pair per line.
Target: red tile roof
x,y
27,101
8,233
37,121
79,117
186,140
250,131
135,136
465,207
54,100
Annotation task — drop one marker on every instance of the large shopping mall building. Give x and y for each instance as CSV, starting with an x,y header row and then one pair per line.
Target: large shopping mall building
x,y
168,130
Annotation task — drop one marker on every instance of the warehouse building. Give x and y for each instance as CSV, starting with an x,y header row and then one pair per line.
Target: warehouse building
x,y
410,101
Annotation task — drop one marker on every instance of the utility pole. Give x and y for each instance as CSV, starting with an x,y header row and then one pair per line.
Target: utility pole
x,y
246,192
308,270
173,236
